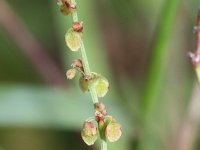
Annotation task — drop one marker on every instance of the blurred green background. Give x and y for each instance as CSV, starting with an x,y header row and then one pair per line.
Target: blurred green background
x,y
140,46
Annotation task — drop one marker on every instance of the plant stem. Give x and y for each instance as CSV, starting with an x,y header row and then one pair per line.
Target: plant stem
x,y
88,72
198,73
85,61
103,145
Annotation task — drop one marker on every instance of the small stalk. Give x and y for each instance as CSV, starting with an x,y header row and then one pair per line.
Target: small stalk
x,y
103,145
88,72
85,61
198,73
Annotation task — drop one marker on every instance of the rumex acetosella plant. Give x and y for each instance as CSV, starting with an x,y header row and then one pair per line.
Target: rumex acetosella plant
x,y
101,123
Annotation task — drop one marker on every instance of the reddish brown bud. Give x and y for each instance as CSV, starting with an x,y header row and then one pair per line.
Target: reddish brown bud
x,y
99,117
77,26
104,112
67,3
100,107
66,7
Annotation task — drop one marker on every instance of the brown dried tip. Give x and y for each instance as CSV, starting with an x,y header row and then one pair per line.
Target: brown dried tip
x,y
78,26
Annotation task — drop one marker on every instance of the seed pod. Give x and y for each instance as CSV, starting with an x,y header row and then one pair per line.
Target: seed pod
x,y
83,84
71,73
113,131
64,10
65,6
101,85
73,39
89,133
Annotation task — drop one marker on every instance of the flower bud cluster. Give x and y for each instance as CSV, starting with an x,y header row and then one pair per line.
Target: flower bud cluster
x,y
109,129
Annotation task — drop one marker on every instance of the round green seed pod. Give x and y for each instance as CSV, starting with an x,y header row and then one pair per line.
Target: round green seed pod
x,y
73,39
113,131
101,85
89,133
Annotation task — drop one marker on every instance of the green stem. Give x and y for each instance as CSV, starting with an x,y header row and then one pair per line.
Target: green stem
x,y
103,145
85,61
198,73
88,72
